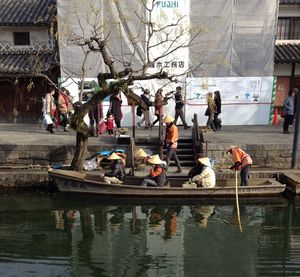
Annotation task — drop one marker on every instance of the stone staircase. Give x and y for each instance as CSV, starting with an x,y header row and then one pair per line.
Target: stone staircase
x,y
185,151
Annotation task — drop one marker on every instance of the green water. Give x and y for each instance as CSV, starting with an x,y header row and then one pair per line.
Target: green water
x,y
42,236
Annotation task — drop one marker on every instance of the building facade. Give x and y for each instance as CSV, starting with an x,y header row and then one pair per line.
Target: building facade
x,y
28,57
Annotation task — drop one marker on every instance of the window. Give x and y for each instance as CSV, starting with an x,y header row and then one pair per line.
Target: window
x,y
21,38
288,28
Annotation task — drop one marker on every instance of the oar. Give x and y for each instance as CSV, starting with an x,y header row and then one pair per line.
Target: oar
x,y
237,201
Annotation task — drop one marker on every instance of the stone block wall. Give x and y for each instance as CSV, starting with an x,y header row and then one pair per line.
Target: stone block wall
x,y
263,155
48,154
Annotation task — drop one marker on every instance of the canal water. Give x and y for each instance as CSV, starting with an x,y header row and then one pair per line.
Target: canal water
x,y
46,236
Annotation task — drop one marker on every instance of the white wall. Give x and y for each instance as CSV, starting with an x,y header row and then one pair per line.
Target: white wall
x,y
37,34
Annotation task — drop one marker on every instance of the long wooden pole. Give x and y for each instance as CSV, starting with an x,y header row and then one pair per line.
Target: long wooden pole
x,y
237,200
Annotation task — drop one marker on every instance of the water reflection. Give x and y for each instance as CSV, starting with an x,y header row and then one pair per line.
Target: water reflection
x,y
74,239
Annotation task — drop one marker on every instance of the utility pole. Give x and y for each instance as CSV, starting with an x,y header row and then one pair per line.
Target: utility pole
x,y
296,135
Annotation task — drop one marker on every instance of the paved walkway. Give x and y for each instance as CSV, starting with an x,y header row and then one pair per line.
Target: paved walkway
x,y
31,134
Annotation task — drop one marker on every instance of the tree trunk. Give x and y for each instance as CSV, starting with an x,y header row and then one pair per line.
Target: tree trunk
x,y
80,151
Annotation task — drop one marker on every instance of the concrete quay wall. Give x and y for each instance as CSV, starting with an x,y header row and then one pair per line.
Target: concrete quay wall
x,y
263,155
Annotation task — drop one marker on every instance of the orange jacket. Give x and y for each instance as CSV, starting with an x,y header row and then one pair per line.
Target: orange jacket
x,y
239,155
172,135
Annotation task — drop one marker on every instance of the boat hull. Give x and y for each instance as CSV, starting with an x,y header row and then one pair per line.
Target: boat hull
x,y
74,183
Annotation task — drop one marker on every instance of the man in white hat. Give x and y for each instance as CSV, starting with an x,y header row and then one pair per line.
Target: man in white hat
x,y
207,177
117,173
242,161
157,176
171,142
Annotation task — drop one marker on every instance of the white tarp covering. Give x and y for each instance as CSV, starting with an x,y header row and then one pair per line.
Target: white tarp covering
x,y
236,39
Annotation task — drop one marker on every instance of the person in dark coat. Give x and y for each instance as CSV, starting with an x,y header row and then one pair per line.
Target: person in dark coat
x,y
117,173
147,102
179,104
116,107
157,176
288,110
218,102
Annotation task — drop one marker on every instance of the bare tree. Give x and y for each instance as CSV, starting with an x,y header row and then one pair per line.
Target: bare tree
x,y
125,68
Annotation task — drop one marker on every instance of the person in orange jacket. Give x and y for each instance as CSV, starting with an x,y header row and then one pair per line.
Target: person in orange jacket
x,y
171,142
242,161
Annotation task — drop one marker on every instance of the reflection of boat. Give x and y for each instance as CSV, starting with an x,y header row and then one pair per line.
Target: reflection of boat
x,y
83,183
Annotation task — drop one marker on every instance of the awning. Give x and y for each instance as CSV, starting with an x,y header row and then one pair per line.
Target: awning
x,y
26,63
287,53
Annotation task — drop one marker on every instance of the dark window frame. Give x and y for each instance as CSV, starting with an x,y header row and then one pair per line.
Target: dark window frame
x,y
288,28
21,38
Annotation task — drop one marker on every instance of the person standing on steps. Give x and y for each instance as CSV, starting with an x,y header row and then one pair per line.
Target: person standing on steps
x,y
171,142
179,104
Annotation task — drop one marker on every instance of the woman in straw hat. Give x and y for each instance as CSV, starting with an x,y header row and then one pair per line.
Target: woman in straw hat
x,y
207,177
171,142
117,173
157,176
242,161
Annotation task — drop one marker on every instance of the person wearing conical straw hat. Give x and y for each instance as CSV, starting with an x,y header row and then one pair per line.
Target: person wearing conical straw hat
x,y
242,162
207,177
171,142
140,157
157,176
117,173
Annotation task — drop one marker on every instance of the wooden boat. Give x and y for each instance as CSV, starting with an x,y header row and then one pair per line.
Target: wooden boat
x,y
84,183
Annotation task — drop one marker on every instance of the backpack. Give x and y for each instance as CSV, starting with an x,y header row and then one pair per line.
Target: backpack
x,y
139,111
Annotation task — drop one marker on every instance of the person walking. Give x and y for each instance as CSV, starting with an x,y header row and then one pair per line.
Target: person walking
x,y
171,142
218,102
50,110
116,107
288,111
158,105
147,102
62,104
242,162
210,112
179,104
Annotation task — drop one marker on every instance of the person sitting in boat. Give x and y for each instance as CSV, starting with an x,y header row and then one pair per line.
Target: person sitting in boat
x,y
140,158
242,162
117,173
157,176
197,169
207,177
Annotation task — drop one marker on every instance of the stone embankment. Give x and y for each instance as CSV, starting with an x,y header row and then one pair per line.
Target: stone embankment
x,y
27,145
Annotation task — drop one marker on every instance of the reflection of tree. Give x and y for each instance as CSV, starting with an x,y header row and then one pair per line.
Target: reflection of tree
x,y
100,217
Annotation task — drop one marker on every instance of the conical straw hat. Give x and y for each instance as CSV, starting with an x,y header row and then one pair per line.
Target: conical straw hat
x,y
156,160
168,119
114,156
205,161
140,153
231,147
